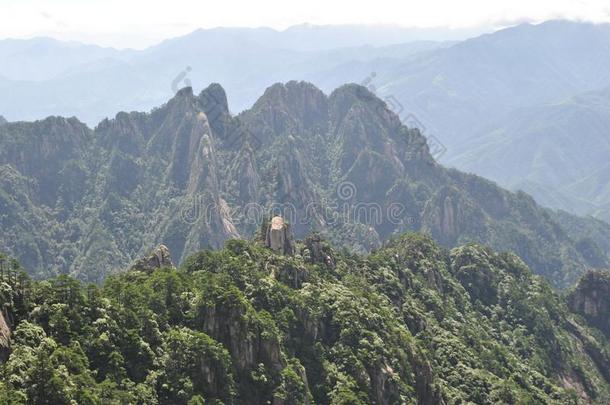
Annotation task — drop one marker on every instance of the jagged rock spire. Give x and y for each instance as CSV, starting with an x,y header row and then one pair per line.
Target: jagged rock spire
x,y
5,337
279,236
160,257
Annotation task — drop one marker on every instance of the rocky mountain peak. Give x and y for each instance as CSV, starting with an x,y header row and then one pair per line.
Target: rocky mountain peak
x,y
185,92
292,91
214,96
279,237
200,170
356,98
343,98
160,257
46,150
291,108
213,102
184,103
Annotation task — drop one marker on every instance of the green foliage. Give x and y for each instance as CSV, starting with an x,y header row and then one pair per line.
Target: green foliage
x,y
411,323
194,365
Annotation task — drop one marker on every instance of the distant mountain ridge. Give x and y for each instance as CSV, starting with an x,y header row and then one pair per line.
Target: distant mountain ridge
x,y
459,89
187,174
140,79
312,38
474,96
22,59
93,88
558,152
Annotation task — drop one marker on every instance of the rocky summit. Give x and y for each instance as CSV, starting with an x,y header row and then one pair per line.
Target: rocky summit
x,y
191,175
278,236
160,257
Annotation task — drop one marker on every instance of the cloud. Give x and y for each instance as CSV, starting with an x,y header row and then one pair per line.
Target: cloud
x,y
139,21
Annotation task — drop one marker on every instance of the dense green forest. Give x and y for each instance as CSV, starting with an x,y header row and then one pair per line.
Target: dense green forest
x,y
410,323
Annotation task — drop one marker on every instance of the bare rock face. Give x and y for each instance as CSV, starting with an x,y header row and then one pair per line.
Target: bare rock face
x,y
248,345
278,237
448,225
591,299
158,258
445,215
5,338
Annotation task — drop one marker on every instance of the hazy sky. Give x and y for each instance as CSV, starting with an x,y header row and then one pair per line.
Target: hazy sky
x,y
138,23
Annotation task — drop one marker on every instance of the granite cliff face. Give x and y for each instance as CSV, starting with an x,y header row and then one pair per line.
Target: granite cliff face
x,y
591,299
190,175
101,198
278,236
159,258
5,338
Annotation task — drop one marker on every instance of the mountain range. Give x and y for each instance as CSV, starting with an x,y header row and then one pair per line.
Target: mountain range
x,y
191,175
542,85
526,107
329,243
93,83
558,152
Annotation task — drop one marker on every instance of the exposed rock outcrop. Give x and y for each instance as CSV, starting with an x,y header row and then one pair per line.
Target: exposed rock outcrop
x,y
244,337
160,257
5,338
279,237
54,144
443,216
427,392
591,299
294,107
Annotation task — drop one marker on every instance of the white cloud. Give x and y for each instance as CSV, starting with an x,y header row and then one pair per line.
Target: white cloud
x,y
139,23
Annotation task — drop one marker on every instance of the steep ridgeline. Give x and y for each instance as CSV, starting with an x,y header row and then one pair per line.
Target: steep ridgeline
x,y
75,199
412,323
190,175
591,299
